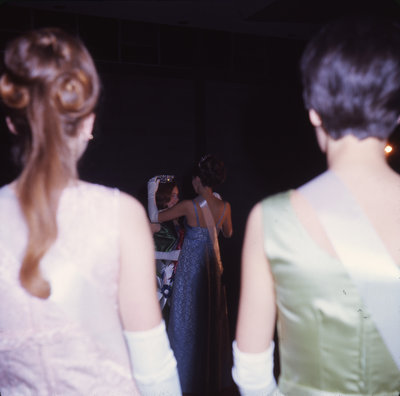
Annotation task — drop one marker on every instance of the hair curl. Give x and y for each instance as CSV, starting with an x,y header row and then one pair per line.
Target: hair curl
x,y
49,85
210,170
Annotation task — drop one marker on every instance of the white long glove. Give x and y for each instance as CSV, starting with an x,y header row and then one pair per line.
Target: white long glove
x,y
152,187
153,362
253,373
173,255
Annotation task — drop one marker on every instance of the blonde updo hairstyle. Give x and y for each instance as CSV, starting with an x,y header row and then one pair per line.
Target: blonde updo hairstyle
x,y
49,86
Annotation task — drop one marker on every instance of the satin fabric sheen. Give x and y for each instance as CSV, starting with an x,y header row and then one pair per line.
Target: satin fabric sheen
x,y
359,248
166,239
328,342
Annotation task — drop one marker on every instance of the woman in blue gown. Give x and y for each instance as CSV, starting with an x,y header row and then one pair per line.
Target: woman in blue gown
x,y
198,326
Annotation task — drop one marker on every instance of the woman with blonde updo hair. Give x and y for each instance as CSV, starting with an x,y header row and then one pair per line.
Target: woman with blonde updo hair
x,y
79,312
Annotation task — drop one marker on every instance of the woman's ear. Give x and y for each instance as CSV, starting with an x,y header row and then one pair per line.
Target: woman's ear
x,y
322,136
86,128
11,126
315,119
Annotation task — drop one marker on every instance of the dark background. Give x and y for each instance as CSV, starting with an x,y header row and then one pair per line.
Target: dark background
x,y
185,78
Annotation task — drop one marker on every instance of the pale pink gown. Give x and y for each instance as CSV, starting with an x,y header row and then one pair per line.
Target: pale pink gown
x,y
71,343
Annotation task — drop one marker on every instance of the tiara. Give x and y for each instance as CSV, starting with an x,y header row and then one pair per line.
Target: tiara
x,y
203,158
166,178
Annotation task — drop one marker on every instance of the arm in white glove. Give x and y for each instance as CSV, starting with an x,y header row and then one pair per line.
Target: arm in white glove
x,y
153,362
173,255
253,372
152,187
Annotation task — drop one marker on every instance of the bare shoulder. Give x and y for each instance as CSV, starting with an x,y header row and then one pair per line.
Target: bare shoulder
x,y
253,231
135,234
227,228
186,206
227,205
182,208
138,302
255,216
256,316
187,203
130,208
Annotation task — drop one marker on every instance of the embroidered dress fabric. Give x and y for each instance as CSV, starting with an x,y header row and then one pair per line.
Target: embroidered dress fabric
x,y
168,241
71,343
328,342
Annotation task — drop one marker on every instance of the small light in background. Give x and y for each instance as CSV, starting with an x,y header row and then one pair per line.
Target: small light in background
x,y
388,149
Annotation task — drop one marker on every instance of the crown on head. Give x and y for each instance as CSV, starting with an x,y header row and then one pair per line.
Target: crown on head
x,y
166,178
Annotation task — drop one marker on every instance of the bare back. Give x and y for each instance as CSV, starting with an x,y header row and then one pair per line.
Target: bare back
x,y
220,210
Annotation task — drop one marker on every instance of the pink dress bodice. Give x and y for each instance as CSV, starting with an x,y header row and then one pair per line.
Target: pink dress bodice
x,y
71,343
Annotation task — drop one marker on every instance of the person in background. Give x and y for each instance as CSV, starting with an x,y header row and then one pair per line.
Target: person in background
x,y
78,309
198,326
325,256
168,239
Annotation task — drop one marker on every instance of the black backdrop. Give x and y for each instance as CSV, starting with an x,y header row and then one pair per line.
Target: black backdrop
x,y
172,94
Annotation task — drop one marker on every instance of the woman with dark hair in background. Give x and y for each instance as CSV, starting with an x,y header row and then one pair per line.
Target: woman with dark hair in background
x,y
76,259
326,256
168,239
198,327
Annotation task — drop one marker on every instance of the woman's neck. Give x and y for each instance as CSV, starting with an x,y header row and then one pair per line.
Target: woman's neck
x,y
349,155
205,191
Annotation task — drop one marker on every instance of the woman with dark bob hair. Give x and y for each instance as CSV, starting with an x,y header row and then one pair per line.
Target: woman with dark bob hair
x,y
78,310
325,257
198,325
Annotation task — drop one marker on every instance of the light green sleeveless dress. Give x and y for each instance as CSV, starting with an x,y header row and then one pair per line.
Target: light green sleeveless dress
x,y
328,343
